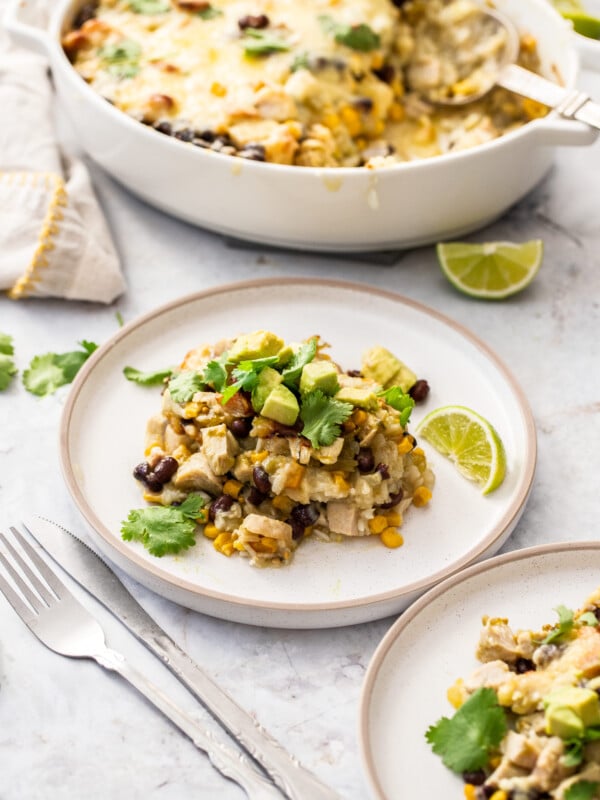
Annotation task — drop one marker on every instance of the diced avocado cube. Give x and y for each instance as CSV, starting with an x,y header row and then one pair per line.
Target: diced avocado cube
x,y
268,378
250,346
381,366
284,356
563,722
362,398
583,702
281,405
321,375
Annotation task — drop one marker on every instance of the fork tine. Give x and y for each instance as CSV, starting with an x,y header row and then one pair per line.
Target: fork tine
x,y
33,578
32,598
50,577
13,598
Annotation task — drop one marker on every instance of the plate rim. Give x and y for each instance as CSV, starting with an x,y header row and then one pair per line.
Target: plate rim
x,y
156,573
409,616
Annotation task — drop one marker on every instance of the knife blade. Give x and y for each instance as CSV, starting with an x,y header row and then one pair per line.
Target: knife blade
x,y
94,575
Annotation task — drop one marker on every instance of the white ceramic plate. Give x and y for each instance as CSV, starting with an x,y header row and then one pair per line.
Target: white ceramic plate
x,y
434,643
326,584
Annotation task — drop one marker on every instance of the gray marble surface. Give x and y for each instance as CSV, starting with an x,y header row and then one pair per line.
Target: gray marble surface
x,y
67,729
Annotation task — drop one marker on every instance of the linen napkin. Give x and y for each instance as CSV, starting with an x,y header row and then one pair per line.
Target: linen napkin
x,y
54,240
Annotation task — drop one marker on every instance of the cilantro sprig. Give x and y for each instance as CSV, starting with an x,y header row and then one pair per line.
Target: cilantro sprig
x,y
150,6
7,363
303,356
566,623
322,417
262,43
245,375
582,790
154,378
48,372
184,385
357,37
402,402
121,59
164,529
466,740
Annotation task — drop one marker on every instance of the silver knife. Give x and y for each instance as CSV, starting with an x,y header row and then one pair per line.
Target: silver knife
x,y
89,569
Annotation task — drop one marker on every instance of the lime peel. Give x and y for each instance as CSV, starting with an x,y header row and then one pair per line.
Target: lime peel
x,y
492,270
469,441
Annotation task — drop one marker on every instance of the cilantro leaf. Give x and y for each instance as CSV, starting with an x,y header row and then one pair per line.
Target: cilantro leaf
x,y
119,318
184,385
300,359
573,752
215,373
402,402
147,378
357,37
564,626
465,740
582,790
210,12
246,375
121,59
300,61
7,364
262,43
192,505
48,372
161,529
322,417
589,618
149,6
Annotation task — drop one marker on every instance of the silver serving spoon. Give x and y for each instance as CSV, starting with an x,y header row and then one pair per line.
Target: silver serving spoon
x,y
569,103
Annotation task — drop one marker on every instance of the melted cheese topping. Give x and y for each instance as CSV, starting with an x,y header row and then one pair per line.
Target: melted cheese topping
x,y
327,87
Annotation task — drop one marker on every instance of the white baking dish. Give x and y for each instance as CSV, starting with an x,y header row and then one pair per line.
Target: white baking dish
x,y
348,209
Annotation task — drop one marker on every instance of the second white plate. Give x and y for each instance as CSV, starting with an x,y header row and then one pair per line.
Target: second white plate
x,y
326,584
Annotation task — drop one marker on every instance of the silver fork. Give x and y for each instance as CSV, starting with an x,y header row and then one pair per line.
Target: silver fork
x,y
58,620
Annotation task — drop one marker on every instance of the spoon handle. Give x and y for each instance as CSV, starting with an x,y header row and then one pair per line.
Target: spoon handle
x,y
569,103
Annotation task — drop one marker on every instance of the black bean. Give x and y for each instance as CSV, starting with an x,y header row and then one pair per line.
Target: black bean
x,y
488,791
383,470
241,426
476,778
596,613
185,134
305,515
365,460
141,472
524,665
419,391
394,500
363,104
255,497
386,74
153,484
165,468
261,480
206,136
222,503
164,127
86,12
253,152
297,529
255,21
354,373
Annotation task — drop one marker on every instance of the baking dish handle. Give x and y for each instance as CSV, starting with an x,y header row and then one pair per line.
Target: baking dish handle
x,y
555,131
28,36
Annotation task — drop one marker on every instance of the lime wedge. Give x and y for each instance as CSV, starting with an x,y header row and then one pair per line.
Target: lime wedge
x,y
469,441
493,270
584,24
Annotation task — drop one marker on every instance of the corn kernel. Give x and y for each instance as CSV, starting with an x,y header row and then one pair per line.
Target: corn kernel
x,y
421,496
470,792
152,498
499,795
533,109
352,120
495,762
528,43
232,488
392,538
223,544
348,426
396,112
378,524
361,143
418,451
331,120
151,447
202,516
266,545
283,504
258,456
359,417
378,127
340,481
191,410
394,519
218,89
238,545
211,531
294,477
377,61
465,87
405,445
456,694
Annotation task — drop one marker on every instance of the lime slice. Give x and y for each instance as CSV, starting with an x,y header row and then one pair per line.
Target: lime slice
x,y
584,24
469,441
493,270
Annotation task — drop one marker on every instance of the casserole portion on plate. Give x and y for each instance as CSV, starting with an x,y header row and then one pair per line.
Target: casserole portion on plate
x,y
311,84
